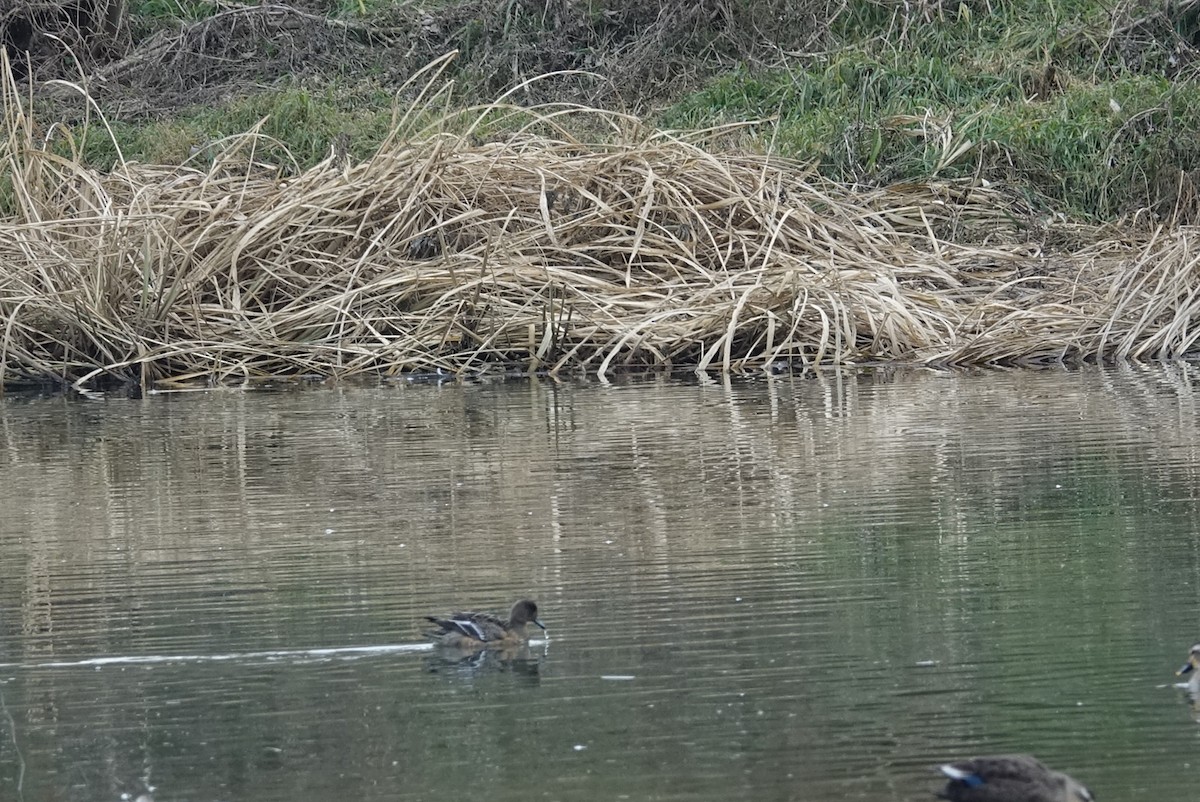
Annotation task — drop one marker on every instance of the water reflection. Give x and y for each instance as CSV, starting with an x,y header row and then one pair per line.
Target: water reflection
x,y
811,588
522,662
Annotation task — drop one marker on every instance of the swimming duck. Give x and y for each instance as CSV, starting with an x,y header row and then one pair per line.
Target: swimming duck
x,y
483,631
1193,662
1010,778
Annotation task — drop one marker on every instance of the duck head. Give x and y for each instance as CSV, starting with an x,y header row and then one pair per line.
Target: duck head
x,y
525,612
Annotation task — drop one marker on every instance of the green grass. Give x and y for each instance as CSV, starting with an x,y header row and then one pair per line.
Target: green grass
x,y
304,122
199,9
358,8
172,10
1034,93
1082,105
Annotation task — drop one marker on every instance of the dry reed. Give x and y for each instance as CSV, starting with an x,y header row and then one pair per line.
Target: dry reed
x,y
542,252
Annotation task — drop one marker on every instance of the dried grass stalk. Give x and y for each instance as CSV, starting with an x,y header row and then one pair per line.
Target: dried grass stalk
x,y
545,253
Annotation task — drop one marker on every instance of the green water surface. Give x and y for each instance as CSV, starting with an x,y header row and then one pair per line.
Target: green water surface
x,y
758,589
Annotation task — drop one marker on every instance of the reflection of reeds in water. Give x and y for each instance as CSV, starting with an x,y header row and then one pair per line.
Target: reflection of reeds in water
x,y
839,487
469,470
442,251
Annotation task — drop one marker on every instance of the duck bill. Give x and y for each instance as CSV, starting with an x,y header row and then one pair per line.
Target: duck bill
x,y
1187,668
535,622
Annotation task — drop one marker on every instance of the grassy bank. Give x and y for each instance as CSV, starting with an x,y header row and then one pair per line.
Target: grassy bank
x,y
1091,110
1088,109
925,187
540,252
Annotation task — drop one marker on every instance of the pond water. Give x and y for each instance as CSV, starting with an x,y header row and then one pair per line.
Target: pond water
x,y
788,588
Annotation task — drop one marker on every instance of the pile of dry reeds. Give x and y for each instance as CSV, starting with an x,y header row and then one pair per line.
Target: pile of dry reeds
x,y
541,252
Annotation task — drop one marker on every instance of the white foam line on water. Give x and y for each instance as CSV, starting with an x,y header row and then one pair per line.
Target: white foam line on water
x,y
343,652
294,655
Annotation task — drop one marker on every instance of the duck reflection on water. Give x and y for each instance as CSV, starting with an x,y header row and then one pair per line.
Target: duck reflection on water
x,y
521,661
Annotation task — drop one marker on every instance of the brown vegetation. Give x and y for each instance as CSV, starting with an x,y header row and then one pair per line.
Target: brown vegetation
x,y
67,33
635,51
543,253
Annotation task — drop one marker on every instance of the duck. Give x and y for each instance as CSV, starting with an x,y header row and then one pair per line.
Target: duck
x,y
1193,662
1010,778
484,631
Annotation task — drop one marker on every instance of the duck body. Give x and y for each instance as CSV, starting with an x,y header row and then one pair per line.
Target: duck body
x,y
1193,662
1010,778
1192,681
483,631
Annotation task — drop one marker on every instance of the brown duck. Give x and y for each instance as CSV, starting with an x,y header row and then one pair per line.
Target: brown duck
x,y
1193,662
484,631
1010,778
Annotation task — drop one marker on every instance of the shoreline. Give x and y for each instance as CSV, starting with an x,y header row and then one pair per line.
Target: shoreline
x,y
444,253
925,188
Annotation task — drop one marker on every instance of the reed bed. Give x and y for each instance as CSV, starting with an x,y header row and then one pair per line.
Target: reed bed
x,y
540,251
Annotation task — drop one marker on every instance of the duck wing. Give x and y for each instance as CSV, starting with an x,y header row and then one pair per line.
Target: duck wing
x,y
478,626
1010,778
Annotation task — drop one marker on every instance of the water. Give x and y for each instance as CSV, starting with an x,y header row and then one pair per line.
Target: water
x,y
768,589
